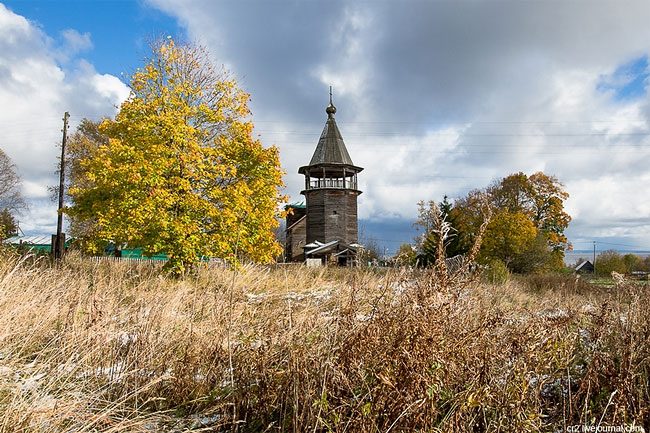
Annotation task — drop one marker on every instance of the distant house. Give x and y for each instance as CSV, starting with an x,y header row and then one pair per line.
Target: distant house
x,y
296,231
131,253
40,243
585,267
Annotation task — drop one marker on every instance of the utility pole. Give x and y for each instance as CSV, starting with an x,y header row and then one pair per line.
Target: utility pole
x,y
59,244
594,257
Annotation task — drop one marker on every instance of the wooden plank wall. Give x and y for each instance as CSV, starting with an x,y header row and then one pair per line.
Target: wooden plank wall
x,y
331,215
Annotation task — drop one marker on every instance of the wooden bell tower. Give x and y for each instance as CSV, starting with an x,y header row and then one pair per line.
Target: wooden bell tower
x,y
331,191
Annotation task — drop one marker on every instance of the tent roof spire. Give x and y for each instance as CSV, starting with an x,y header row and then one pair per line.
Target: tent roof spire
x,y
331,150
331,109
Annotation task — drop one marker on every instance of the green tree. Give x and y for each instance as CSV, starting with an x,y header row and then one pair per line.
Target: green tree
x,y
427,242
407,255
8,225
468,214
180,173
642,264
610,261
11,198
632,263
537,258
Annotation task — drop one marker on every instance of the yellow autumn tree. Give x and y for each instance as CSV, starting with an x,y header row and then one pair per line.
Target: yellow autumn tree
x,y
507,237
541,198
526,232
181,173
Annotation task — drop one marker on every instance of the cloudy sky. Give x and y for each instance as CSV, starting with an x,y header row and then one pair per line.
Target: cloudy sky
x,y
434,97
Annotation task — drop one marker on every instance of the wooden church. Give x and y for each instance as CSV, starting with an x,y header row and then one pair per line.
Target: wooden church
x,y
323,228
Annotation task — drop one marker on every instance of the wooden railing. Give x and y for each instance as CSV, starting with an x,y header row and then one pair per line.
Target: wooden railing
x,y
327,182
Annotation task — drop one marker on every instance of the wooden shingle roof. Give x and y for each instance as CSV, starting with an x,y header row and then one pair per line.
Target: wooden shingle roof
x,y
331,148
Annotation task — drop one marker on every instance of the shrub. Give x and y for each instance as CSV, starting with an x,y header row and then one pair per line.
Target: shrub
x,y
496,272
610,261
557,283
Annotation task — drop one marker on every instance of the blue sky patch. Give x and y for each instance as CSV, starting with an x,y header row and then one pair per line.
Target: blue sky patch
x,y
119,31
628,82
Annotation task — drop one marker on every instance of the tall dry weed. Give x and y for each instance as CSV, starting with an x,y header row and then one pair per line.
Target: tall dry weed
x,y
114,347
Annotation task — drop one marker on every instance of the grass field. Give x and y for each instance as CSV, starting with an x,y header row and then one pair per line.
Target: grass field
x,y
114,347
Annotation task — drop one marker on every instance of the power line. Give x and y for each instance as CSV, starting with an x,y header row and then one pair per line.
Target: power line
x,y
462,134
458,123
514,152
607,243
616,244
349,123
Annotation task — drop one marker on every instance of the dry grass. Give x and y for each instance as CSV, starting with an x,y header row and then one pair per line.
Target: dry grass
x,y
113,347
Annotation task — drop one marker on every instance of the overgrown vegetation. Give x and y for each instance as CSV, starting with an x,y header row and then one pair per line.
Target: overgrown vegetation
x,y
525,234
114,347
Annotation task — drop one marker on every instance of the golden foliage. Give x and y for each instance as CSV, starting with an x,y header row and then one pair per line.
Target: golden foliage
x,y
181,173
527,232
507,236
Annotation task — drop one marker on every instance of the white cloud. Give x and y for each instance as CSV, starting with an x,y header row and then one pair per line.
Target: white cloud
x,y
35,190
109,87
16,27
440,97
348,71
75,41
435,98
35,90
